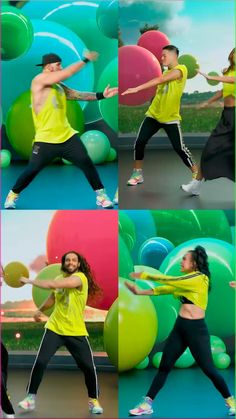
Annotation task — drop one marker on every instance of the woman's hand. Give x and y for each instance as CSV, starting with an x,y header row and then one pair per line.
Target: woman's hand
x,y
110,91
130,91
132,287
135,275
37,316
202,105
24,280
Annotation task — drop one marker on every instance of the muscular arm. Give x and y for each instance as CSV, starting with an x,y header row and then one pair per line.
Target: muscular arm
x,y
72,94
172,75
72,282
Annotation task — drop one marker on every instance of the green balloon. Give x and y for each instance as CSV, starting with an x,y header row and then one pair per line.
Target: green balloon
x,y
97,145
213,82
143,364
156,360
137,328
220,315
39,294
166,306
20,126
110,333
5,158
17,33
109,107
179,226
125,261
217,345
127,229
191,63
112,155
186,360
107,18
221,360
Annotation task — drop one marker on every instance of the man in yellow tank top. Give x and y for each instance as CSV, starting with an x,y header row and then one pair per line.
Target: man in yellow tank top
x,y
164,112
66,326
54,136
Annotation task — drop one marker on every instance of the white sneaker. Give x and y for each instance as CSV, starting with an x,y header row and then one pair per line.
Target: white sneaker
x,y
230,403
95,407
136,178
28,403
103,199
143,408
11,199
9,416
193,187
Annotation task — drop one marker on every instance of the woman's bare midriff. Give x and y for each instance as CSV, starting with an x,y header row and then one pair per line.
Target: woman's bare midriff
x,y
229,101
190,311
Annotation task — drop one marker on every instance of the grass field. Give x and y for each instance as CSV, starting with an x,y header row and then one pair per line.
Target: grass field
x,y
31,334
193,119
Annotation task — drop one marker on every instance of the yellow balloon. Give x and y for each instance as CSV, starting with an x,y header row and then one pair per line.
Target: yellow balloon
x,y
13,272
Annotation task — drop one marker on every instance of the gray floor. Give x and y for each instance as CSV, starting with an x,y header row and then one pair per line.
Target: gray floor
x,y
62,394
163,174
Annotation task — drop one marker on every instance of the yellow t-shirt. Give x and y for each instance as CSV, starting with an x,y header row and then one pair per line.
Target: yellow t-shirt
x,y
165,106
229,88
194,286
51,123
67,316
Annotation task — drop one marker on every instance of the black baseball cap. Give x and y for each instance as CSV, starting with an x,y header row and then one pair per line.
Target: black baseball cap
x,y
49,59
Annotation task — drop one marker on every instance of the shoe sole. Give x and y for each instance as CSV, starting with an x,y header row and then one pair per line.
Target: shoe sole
x,y
134,184
190,193
96,413
149,412
107,207
26,409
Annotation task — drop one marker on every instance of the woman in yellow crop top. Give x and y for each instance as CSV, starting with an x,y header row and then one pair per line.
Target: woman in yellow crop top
x,y
218,156
65,326
190,329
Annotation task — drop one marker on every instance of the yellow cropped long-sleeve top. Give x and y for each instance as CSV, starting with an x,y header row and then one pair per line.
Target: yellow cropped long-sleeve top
x,y
193,286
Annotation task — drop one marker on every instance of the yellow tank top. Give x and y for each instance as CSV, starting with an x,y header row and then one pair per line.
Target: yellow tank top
x,y
51,123
194,286
165,106
67,316
229,88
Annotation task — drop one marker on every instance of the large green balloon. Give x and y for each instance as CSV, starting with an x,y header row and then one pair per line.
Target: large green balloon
x,y
220,314
17,33
127,229
20,126
109,107
97,145
110,333
125,261
5,158
39,294
186,360
143,364
107,18
179,226
217,345
137,328
166,305
221,360
191,63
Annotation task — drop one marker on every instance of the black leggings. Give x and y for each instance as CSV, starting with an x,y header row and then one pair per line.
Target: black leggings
x,y
43,154
193,334
5,402
79,348
151,126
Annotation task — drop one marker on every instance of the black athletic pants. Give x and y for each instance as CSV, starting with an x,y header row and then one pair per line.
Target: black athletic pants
x,y
44,153
5,402
151,126
193,334
79,348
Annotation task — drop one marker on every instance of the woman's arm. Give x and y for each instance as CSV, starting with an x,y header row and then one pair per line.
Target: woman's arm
x,y
223,79
154,277
213,99
138,291
172,75
71,282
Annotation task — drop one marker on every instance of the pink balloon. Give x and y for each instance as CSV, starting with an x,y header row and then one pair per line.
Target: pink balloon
x,y
137,65
154,41
94,235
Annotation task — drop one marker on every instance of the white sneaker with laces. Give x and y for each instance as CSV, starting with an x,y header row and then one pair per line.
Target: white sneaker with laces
x,y
193,187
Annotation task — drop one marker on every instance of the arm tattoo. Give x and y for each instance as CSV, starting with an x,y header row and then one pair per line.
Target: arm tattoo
x,y
72,94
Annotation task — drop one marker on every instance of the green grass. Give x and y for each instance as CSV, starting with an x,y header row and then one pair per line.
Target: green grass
x,y
31,334
193,119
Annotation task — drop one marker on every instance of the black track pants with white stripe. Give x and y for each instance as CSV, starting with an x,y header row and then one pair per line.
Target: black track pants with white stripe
x,y
151,126
79,348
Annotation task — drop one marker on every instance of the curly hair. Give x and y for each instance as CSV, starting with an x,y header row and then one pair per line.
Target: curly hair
x,y
200,257
93,289
231,62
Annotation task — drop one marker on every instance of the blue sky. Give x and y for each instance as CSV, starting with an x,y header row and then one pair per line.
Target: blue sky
x,y
23,239
203,28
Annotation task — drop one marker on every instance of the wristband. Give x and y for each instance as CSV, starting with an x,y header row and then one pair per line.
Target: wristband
x,y
100,95
85,60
